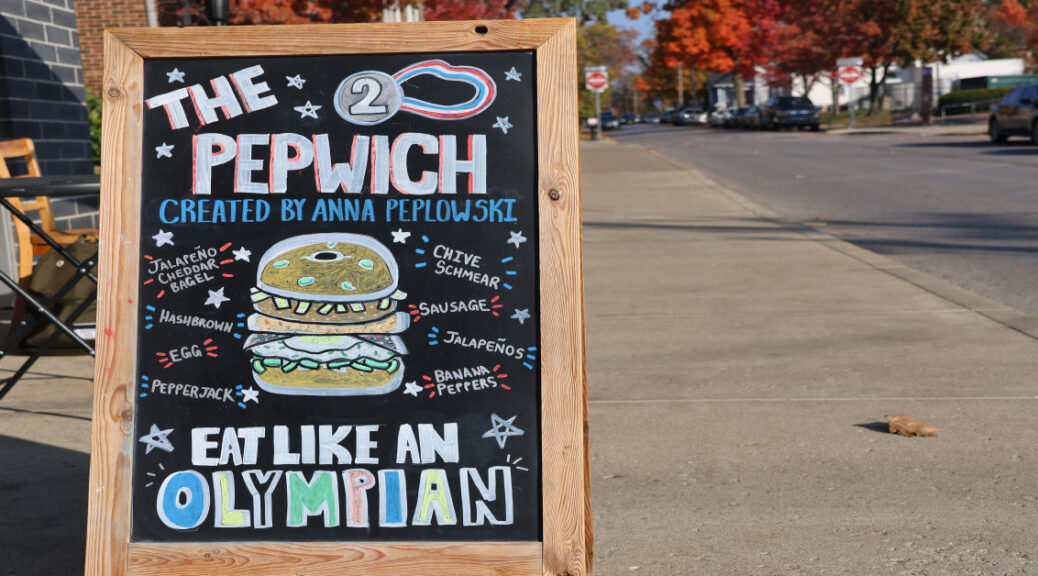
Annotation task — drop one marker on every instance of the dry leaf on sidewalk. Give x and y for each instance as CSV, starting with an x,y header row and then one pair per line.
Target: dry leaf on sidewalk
x,y
905,425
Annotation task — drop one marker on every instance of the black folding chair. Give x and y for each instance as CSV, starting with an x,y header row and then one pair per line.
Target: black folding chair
x,y
41,310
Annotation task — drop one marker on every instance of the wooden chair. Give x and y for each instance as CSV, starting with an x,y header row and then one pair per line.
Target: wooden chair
x,y
29,244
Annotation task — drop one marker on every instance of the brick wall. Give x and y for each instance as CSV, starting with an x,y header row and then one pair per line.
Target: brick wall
x,y
41,83
94,16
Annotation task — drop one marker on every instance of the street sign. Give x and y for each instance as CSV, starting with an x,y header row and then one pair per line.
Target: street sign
x,y
849,74
349,339
596,78
849,71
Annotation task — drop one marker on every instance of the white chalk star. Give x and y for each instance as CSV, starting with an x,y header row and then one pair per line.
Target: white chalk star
x,y
501,429
249,393
503,124
216,298
412,388
400,237
157,439
241,254
164,151
516,238
163,238
521,315
513,75
295,81
175,76
309,110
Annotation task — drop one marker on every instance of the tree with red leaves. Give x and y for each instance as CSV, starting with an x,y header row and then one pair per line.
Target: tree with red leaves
x,y
454,10
193,12
807,38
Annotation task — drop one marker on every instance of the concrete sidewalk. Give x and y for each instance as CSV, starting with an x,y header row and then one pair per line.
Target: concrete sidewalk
x,y
739,368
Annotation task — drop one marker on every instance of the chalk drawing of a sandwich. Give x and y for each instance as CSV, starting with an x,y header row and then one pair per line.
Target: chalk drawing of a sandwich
x,y
326,319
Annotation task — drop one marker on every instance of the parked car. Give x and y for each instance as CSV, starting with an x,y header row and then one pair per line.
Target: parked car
x,y
1015,115
689,115
609,121
630,118
651,118
788,112
735,118
719,117
667,116
751,119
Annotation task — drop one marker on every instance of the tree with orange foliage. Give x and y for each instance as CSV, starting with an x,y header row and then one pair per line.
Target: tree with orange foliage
x,y
659,80
1014,30
719,35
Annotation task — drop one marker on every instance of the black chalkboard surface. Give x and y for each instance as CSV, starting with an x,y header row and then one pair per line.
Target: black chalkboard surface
x,y
338,334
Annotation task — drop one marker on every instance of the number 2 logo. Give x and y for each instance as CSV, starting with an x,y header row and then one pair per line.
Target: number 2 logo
x,y
368,98
370,90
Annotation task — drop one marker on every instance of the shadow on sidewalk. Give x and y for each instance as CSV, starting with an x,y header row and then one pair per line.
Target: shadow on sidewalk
x,y
1010,148
929,232
878,426
43,509
674,225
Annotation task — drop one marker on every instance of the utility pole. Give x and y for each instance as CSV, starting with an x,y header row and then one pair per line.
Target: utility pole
x,y
692,85
681,85
598,116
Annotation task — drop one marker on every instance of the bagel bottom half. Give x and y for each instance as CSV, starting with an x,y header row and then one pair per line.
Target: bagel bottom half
x,y
327,382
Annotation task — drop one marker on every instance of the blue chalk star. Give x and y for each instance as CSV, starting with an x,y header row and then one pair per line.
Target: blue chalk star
x,y
501,429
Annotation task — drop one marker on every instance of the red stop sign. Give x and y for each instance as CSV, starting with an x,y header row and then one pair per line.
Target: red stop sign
x,y
849,74
596,80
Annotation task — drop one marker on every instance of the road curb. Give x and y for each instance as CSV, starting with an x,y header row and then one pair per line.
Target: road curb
x,y
1009,317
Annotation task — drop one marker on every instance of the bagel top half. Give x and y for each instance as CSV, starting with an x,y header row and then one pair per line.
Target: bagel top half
x,y
337,268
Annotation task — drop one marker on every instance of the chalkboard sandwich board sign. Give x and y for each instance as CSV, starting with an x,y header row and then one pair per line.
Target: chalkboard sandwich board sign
x,y
340,322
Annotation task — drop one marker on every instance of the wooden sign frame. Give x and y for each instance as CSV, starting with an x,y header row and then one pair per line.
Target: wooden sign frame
x,y
566,548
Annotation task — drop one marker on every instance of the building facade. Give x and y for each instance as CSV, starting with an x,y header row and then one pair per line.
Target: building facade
x,y
42,95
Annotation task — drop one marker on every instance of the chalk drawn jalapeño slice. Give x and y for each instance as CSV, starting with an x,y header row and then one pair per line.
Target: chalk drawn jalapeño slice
x,y
372,97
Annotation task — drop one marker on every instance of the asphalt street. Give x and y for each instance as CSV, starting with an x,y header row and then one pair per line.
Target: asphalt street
x,y
956,207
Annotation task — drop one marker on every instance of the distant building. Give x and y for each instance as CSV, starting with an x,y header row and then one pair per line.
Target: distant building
x,y
948,76
902,90
407,13
42,94
720,90
93,17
